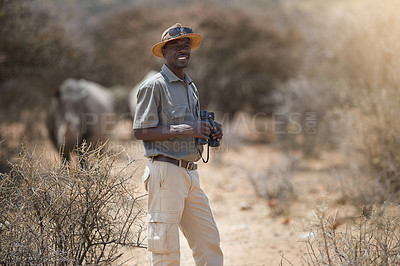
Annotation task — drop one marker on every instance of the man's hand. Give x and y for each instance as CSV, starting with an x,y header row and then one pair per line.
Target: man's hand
x,y
218,134
197,129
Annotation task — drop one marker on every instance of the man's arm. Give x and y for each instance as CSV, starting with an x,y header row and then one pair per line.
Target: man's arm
x,y
198,129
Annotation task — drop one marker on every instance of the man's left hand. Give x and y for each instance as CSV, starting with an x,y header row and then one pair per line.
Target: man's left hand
x,y
218,134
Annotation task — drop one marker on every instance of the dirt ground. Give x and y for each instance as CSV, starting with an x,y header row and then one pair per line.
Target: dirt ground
x,y
250,233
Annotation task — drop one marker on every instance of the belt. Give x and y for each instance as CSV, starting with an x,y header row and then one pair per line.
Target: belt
x,y
182,163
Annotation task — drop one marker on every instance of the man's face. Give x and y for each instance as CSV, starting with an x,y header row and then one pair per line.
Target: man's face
x,y
177,53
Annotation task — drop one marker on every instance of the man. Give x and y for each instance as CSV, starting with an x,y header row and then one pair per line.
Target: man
x,y
167,120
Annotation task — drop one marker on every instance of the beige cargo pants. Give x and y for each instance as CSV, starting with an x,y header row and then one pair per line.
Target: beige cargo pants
x,y
177,201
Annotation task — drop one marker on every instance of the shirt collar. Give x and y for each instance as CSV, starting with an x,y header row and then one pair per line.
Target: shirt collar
x,y
172,77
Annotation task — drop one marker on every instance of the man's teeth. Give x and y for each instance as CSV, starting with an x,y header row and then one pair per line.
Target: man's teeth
x,y
182,58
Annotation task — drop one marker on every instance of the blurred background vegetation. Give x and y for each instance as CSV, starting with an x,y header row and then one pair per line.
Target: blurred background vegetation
x,y
239,66
334,60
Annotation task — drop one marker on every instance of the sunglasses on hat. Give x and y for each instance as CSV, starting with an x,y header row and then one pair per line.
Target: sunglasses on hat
x,y
175,32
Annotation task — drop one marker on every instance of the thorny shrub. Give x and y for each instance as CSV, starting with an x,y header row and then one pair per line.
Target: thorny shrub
x,y
67,214
357,241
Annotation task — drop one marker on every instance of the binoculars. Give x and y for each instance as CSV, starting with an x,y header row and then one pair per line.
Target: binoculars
x,y
209,118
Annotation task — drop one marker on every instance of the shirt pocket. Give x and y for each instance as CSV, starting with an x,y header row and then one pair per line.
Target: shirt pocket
x,y
175,115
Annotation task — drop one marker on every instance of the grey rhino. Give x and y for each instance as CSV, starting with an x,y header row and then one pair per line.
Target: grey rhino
x,y
80,111
134,91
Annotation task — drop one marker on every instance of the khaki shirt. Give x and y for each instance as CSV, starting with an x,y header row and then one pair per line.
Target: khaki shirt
x,y
165,99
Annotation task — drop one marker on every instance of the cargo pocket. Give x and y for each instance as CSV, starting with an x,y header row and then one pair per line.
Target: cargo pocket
x,y
163,232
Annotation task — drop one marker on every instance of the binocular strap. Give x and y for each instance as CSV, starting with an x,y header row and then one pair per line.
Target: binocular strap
x,y
208,154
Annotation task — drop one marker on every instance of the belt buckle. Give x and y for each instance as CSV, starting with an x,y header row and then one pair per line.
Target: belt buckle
x,y
190,165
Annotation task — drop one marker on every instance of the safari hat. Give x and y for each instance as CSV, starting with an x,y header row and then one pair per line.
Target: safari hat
x,y
176,32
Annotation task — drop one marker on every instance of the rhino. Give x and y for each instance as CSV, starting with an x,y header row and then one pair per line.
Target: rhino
x,y
81,111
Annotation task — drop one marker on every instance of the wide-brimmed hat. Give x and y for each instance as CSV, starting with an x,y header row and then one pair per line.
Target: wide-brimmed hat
x,y
174,32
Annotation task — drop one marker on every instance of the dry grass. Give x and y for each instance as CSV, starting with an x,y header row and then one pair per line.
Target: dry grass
x,y
275,186
361,190
360,241
65,214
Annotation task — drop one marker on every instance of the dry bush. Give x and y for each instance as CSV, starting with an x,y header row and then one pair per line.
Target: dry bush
x,y
243,60
349,79
122,41
359,188
305,117
65,214
363,241
365,53
275,186
36,54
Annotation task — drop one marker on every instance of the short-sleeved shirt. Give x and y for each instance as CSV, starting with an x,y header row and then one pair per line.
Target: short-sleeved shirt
x,y
165,99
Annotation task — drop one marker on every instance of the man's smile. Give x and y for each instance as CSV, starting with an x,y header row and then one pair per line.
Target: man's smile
x,y
183,57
